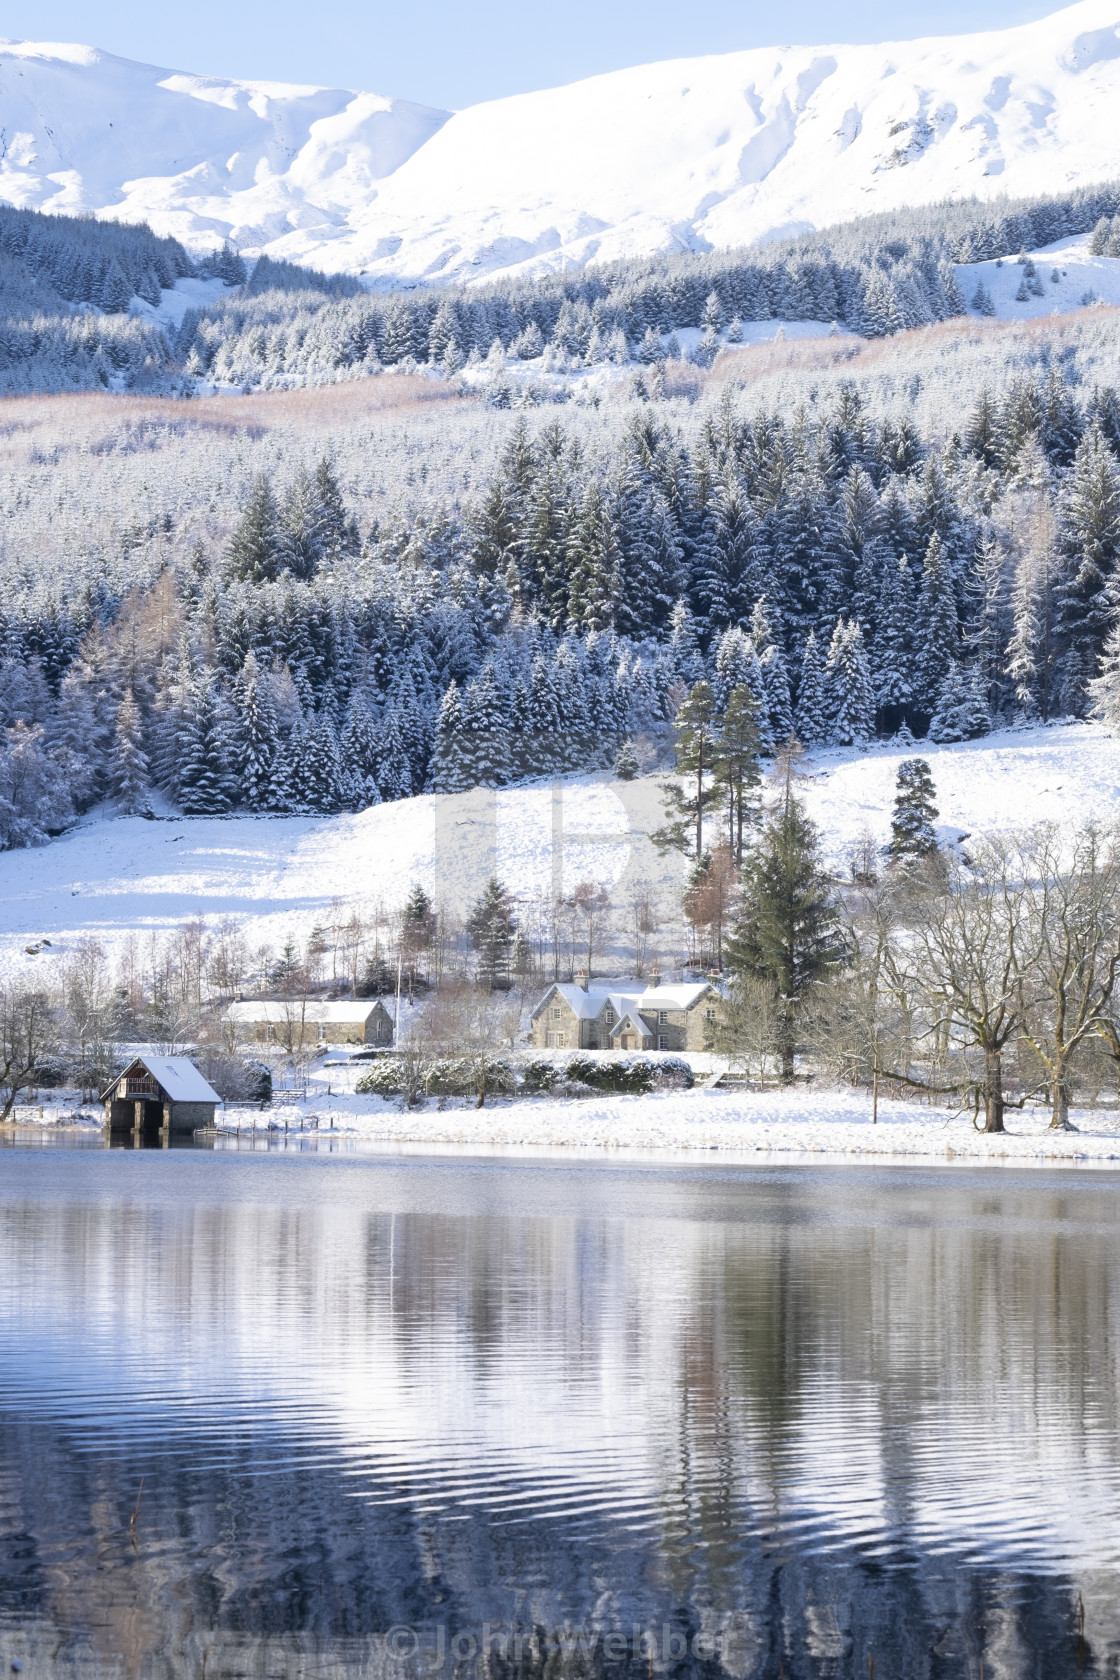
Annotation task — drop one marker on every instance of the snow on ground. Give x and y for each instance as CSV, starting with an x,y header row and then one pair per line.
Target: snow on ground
x,y
173,305
1070,276
739,1125
114,878
1007,780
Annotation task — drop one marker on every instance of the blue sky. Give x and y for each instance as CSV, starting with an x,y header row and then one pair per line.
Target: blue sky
x,y
445,52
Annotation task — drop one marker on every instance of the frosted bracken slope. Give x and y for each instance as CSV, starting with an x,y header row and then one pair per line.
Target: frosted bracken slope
x,y
691,153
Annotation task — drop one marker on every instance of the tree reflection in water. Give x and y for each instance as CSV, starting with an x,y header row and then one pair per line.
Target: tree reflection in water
x,y
403,1417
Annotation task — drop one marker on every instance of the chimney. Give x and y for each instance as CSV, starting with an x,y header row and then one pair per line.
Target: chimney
x,y
654,978
581,979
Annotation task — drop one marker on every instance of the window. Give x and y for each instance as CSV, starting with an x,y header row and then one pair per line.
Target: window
x,y
556,1041
662,1017
609,1017
663,1041
709,1014
556,1014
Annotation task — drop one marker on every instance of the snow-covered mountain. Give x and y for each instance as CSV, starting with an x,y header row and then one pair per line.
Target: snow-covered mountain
x,y
691,153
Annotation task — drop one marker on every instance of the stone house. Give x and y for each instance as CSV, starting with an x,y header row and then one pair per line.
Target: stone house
x,y
301,1024
159,1093
622,1015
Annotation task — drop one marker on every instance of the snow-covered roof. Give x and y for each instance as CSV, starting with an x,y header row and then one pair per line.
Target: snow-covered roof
x,y
588,1005
293,1011
179,1078
630,1021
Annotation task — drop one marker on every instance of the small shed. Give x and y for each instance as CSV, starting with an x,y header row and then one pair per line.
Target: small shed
x,y
155,1092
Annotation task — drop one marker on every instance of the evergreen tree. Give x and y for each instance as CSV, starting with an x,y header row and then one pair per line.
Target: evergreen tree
x,y
253,737
361,755
687,807
206,787
130,779
962,708
1104,689
779,706
848,699
542,753
594,561
811,723
486,745
448,771
788,934
894,661
912,831
684,645
254,554
394,773
626,764
735,765
938,632
1089,546
491,927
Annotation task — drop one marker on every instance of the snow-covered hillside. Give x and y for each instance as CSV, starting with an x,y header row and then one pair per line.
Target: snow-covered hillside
x,y
197,157
692,153
115,877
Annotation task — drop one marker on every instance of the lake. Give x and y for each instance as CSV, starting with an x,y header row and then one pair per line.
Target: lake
x,y
402,1415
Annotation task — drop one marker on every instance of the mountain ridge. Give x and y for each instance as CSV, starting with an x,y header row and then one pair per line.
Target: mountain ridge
x,y
701,153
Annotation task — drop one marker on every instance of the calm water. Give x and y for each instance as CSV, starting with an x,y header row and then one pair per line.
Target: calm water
x,y
374,1413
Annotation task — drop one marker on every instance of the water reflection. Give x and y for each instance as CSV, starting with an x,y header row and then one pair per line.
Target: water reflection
x,y
733,1421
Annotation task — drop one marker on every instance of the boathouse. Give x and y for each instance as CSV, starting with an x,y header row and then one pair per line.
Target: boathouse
x,y
155,1093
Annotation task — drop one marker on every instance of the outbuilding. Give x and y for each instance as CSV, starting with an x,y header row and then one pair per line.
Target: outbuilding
x,y
157,1093
300,1025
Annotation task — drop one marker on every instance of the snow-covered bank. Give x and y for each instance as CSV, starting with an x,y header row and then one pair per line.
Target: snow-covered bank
x,y
809,1125
757,1123
777,1122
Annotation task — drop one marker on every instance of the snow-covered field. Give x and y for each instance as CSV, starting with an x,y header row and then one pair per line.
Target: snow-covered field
x,y
738,1125
694,153
116,878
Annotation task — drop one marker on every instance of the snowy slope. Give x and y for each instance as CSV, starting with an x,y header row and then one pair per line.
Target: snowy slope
x,y
691,153
114,877
196,156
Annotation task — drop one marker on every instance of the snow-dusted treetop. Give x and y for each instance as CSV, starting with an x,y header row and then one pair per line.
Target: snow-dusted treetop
x,y
706,152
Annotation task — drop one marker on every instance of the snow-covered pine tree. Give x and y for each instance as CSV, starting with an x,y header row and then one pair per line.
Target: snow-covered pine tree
x,y
937,639
543,751
448,771
394,773
486,759
253,553
282,780
1104,689
893,652
684,645
962,709
206,786
915,812
130,778
1089,546
848,696
253,737
810,721
779,706
594,562
361,755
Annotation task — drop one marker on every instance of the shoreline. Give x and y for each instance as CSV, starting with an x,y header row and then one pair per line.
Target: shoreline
x,y
759,1128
